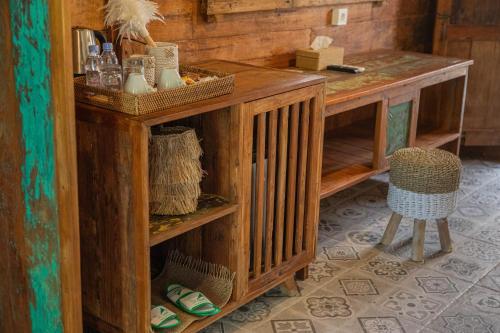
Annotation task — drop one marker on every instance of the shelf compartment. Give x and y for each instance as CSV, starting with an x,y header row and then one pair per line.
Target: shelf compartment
x,y
435,138
348,156
158,297
343,150
210,207
440,115
339,180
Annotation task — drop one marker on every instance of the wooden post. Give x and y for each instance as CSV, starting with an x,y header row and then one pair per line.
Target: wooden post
x,y
39,241
380,143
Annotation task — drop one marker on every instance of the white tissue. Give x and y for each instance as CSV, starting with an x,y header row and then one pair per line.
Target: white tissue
x,y
321,42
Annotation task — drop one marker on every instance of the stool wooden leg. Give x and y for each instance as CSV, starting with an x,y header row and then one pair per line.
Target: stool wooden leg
x,y
418,240
444,235
391,229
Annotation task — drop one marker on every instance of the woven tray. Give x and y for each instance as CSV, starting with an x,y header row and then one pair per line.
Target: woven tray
x,y
157,101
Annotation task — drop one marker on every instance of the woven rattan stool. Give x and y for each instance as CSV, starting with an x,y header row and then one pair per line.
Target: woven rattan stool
x,y
423,186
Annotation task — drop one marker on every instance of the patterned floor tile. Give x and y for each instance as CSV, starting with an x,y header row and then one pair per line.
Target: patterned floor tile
x,y
328,307
461,267
413,306
254,311
289,321
381,324
435,285
491,280
388,267
359,287
478,310
293,326
322,271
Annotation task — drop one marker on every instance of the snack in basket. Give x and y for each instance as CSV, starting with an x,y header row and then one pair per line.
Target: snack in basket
x,y
188,80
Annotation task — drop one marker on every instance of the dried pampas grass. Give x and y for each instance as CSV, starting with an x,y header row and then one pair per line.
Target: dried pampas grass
x,y
131,17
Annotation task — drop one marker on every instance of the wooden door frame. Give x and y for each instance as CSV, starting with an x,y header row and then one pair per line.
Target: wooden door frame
x,y
444,31
39,237
443,15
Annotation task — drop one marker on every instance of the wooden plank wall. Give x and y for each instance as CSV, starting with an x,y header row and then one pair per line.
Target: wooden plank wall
x,y
271,37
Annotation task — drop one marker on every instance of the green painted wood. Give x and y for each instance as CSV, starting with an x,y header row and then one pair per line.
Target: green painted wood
x,y
398,127
39,237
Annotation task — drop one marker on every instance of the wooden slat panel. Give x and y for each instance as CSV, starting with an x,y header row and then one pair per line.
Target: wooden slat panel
x,y
259,194
245,199
271,180
314,173
292,180
301,176
281,184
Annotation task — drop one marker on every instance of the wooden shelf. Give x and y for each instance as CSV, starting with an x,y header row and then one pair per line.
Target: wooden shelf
x,y
210,207
434,139
347,157
339,180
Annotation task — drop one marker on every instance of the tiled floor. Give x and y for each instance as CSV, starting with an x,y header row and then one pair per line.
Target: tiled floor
x,y
356,287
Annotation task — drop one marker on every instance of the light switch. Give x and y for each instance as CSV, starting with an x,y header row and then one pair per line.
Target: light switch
x,y
339,16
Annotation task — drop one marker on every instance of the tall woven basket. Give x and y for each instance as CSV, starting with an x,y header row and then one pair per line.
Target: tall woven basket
x,y
175,171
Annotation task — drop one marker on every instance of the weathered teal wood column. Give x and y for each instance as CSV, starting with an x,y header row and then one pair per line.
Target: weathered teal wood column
x,y
39,242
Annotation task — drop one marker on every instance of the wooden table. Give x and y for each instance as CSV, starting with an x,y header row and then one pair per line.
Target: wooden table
x,y
403,99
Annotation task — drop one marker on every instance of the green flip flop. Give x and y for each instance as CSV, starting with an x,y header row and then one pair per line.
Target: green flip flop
x,y
162,318
192,302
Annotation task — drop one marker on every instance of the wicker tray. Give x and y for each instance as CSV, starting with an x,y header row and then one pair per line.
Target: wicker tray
x,y
157,101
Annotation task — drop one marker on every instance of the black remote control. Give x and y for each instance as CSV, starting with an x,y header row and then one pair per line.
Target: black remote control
x,y
346,69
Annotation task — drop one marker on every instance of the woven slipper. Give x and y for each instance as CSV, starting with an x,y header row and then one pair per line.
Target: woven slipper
x,y
161,318
192,302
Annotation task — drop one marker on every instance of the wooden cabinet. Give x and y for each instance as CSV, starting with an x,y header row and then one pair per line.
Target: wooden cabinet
x,y
273,121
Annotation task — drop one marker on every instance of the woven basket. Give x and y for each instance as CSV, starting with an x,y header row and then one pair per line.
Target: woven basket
x,y
175,171
157,101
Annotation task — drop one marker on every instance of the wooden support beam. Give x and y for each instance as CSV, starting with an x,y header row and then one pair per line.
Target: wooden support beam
x,y
39,241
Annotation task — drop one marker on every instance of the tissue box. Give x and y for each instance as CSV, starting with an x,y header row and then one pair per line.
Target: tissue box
x,y
317,60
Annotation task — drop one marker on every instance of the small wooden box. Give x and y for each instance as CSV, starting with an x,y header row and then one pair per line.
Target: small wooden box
x,y
317,60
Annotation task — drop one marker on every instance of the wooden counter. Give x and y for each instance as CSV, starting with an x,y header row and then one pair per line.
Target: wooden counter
x,y
402,99
262,148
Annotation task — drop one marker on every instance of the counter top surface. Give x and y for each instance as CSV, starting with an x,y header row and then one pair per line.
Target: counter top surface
x,y
384,69
251,83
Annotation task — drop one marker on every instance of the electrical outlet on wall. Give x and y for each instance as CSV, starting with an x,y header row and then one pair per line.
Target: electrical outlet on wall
x,y
339,16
